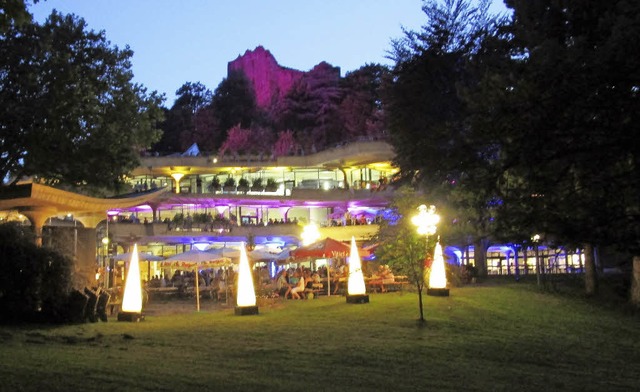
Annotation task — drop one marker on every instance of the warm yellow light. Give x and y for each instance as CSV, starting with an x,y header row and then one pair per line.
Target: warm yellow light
x,y
246,292
132,297
177,177
356,279
438,276
310,234
426,220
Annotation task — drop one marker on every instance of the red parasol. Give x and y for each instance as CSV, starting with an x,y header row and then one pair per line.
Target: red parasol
x,y
326,248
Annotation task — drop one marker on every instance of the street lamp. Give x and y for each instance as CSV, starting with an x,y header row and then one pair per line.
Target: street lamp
x,y
536,240
310,234
105,255
427,222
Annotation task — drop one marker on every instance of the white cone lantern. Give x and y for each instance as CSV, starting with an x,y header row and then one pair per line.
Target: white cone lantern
x,y
132,296
438,275
356,288
246,294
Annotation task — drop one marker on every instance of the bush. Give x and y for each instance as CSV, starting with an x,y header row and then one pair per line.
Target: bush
x,y
35,282
230,182
243,182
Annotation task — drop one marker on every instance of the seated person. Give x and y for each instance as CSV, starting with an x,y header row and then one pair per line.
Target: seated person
x,y
376,278
282,284
382,276
298,291
387,275
343,278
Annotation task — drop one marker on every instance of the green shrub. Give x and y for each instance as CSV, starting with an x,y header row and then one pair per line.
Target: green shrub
x,y
229,182
35,282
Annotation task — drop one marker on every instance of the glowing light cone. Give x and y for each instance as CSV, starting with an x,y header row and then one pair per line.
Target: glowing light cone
x,y
132,296
246,297
356,288
438,276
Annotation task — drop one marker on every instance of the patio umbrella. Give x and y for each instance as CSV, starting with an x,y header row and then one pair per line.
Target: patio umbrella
x,y
194,259
226,251
326,248
261,254
142,256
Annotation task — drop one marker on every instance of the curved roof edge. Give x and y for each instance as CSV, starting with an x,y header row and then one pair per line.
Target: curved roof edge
x,y
30,196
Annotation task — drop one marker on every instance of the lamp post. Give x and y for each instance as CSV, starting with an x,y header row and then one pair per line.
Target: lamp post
x,y
105,269
310,234
426,220
427,223
536,240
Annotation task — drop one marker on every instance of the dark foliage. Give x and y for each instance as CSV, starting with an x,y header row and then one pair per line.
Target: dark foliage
x,y
69,111
35,282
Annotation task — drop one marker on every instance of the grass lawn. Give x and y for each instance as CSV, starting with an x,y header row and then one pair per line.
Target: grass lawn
x,y
488,337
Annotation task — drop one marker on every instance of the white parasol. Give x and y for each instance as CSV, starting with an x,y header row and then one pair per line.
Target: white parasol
x,y
194,259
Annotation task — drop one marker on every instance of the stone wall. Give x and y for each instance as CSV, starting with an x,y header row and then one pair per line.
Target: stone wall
x,y
270,80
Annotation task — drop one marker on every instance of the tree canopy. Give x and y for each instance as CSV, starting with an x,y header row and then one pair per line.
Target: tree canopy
x,y
524,125
435,146
188,121
233,103
401,246
568,103
69,112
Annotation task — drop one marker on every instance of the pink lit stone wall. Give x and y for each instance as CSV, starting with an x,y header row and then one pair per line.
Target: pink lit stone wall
x,y
270,80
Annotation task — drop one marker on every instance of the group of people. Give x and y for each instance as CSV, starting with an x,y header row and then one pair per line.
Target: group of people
x,y
214,280
295,283
291,283
294,286
381,276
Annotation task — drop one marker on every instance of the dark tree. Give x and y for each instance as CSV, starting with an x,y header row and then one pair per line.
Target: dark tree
x,y
14,13
362,110
566,110
429,118
311,108
69,112
189,119
233,103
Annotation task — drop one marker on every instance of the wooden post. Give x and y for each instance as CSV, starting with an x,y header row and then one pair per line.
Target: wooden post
x,y
590,273
635,282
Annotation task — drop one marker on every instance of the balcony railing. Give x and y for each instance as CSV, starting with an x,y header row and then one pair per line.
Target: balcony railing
x,y
123,231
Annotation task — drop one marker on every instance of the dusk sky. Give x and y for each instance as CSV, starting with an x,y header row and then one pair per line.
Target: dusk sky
x,y
192,41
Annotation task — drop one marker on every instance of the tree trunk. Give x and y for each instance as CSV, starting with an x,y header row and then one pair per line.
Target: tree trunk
x,y
480,256
635,282
421,320
590,274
